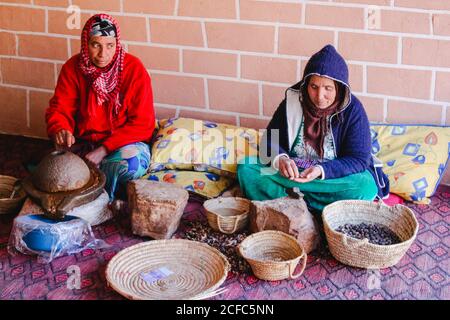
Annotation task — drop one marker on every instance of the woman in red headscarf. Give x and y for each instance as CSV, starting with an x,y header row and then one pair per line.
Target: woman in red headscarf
x,y
102,108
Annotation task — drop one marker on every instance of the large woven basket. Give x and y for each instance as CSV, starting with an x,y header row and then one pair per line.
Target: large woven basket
x,y
273,255
360,253
10,205
218,213
196,270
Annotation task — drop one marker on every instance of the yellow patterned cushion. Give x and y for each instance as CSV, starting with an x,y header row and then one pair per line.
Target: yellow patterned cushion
x,y
414,158
189,144
208,185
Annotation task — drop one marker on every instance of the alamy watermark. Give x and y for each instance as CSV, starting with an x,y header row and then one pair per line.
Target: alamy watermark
x,y
74,19
74,279
374,18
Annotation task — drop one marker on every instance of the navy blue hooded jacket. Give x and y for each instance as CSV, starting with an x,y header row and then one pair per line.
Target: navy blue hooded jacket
x,y
349,125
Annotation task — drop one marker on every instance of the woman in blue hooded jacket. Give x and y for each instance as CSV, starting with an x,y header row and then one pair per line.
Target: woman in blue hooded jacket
x,y
318,141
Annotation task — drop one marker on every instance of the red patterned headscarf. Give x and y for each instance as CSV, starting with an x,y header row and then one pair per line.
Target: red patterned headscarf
x,y
105,81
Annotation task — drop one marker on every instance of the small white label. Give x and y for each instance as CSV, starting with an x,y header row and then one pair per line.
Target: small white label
x,y
155,275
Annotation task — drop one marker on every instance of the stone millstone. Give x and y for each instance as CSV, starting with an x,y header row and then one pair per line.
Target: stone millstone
x,y
61,171
156,207
287,215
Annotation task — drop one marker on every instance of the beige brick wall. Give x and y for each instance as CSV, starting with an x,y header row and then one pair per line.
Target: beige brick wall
x,y
231,60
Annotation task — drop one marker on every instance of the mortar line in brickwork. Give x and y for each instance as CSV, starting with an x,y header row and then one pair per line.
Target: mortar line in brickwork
x,y
204,36
399,66
121,5
399,50
260,99
15,86
275,40
213,111
176,8
444,115
364,70
147,30
303,14
46,20
336,39
385,109
33,59
433,85
298,73
238,65
430,21
180,59
28,108
402,99
205,83
237,4
56,35
55,71
216,77
16,37
366,18
69,47
383,7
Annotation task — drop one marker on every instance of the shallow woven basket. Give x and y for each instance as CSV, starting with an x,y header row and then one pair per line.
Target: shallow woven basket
x,y
198,270
360,253
8,205
223,223
273,255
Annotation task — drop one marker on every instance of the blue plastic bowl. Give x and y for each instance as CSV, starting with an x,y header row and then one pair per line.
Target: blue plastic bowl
x,y
41,237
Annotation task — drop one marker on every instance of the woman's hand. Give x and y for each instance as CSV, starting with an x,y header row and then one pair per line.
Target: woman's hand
x,y
96,156
64,138
288,168
309,174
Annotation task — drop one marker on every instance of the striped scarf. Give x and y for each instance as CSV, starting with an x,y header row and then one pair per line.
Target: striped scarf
x,y
105,81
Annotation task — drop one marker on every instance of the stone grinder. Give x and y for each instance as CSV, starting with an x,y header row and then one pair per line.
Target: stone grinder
x,y
63,181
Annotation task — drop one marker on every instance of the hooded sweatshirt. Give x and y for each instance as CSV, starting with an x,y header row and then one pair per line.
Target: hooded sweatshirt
x,y
349,126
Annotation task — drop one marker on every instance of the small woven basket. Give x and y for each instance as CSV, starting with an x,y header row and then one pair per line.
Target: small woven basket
x,y
361,253
227,215
273,255
171,269
7,204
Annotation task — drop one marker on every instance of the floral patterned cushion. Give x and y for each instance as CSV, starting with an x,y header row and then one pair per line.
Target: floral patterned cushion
x,y
205,184
414,157
189,144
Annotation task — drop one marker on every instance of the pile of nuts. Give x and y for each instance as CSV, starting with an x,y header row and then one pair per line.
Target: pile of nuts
x,y
225,243
375,233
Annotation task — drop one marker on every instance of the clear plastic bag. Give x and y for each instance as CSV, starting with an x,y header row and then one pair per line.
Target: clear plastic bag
x,y
48,239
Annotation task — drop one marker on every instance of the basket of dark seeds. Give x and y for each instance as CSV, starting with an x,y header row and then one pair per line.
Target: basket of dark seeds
x,y
369,235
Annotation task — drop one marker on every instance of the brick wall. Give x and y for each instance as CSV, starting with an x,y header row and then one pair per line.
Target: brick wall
x,y
231,60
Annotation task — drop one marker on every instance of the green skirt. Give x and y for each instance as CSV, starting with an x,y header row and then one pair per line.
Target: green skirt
x,y
260,182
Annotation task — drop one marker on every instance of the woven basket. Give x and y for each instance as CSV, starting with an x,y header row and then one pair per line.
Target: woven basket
x,y
360,253
273,255
218,213
8,205
197,270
